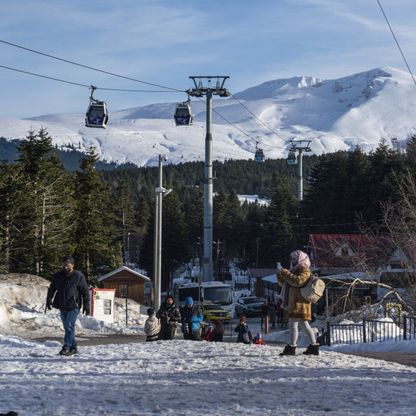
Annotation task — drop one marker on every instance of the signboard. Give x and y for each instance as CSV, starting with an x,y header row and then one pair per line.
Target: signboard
x,y
102,301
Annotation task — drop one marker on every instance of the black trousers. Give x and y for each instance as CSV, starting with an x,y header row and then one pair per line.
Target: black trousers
x,y
167,332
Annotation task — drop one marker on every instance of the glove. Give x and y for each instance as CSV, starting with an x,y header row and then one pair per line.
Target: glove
x,y
86,311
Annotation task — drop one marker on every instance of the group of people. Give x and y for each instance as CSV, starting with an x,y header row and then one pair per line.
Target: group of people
x,y
69,292
164,324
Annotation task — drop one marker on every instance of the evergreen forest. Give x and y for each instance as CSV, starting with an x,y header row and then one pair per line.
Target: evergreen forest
x,y
104,218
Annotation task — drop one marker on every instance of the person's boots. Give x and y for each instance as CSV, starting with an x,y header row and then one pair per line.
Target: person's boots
x,y
312,350
288,350
73,350
65,351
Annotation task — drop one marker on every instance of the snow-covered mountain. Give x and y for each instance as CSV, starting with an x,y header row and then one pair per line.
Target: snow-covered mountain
x,y
335,114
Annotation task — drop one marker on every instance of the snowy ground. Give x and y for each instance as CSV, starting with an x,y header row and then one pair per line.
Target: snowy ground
x,y
188,378
181,377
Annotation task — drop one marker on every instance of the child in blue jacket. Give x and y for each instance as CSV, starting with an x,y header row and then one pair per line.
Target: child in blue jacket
x,y
192,319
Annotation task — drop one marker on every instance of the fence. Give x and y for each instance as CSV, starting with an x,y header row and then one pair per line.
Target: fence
x,y
370,331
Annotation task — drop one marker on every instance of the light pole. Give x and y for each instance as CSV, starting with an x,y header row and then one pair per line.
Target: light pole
x,y
208,90
157,254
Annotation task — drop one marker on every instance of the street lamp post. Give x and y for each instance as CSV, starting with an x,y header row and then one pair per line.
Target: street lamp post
x,y
157,255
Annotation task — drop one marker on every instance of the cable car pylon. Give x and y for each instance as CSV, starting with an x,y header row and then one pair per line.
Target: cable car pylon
x,y
198,91
300,146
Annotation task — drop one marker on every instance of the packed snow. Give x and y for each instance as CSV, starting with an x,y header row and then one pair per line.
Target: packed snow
x,y
188,378
181,377
336,114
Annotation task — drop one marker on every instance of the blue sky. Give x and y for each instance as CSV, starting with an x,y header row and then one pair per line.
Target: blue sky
x,y
165,41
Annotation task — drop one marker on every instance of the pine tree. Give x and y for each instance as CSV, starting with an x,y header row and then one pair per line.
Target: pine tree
x,y
44,207
279,238
97,247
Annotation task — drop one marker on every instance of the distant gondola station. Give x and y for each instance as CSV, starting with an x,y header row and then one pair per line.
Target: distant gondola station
x,y
183,114
97,113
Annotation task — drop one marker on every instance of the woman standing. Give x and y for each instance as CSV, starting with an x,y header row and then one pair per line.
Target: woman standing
x,y
298,309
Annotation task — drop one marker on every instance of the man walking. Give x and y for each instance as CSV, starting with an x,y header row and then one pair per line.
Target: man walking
x,y
68,292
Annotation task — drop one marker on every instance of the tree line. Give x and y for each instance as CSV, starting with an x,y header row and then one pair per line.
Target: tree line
x,y
106,218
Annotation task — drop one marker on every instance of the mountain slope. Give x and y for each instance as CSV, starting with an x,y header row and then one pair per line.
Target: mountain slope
x,y
335,114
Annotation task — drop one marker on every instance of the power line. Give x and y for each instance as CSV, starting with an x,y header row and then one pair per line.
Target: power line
x,y
88,67
397,42
258,119
79,84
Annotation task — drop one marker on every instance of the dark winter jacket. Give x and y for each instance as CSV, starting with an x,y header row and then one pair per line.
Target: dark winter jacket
x,y
168,314
244,334
68,291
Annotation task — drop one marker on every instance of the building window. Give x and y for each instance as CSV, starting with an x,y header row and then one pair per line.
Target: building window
x,y
123,290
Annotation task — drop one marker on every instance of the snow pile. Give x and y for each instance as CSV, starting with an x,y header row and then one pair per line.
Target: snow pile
x,y
185,378
22,311
386,346
336,114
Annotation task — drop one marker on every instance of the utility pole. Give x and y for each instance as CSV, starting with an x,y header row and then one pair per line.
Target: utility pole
x,y
157,254
299,146
208,90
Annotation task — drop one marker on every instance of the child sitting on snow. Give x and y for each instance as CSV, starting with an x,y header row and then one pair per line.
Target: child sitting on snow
x,y
208,335
218,332
151,326
258,339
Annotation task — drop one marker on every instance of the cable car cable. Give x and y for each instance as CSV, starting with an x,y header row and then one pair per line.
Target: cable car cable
x,y
44,76
259,120
89,67
227,121
397,42
79,84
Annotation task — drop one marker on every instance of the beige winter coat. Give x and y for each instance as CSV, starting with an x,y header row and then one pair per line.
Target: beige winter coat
x,y
152,326
298,307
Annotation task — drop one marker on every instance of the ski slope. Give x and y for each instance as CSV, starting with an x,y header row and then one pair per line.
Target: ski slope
x,y
336,114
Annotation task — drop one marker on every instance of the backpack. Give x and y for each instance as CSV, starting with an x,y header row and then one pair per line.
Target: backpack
x,y
314,289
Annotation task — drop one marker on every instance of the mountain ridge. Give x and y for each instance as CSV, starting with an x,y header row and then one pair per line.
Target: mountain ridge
x,y
336,114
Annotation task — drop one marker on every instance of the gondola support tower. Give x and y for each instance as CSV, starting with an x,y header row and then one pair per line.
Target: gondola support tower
x,y
208,86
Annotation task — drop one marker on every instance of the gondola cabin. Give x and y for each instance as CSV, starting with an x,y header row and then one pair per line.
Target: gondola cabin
x,y
259,155
183,114
291,158
97,115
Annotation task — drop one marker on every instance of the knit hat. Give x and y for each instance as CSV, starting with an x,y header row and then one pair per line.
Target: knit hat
x,y
68,259
189,301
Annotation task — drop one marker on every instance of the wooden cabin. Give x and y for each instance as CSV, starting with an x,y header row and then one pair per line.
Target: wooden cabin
x,y
127,283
